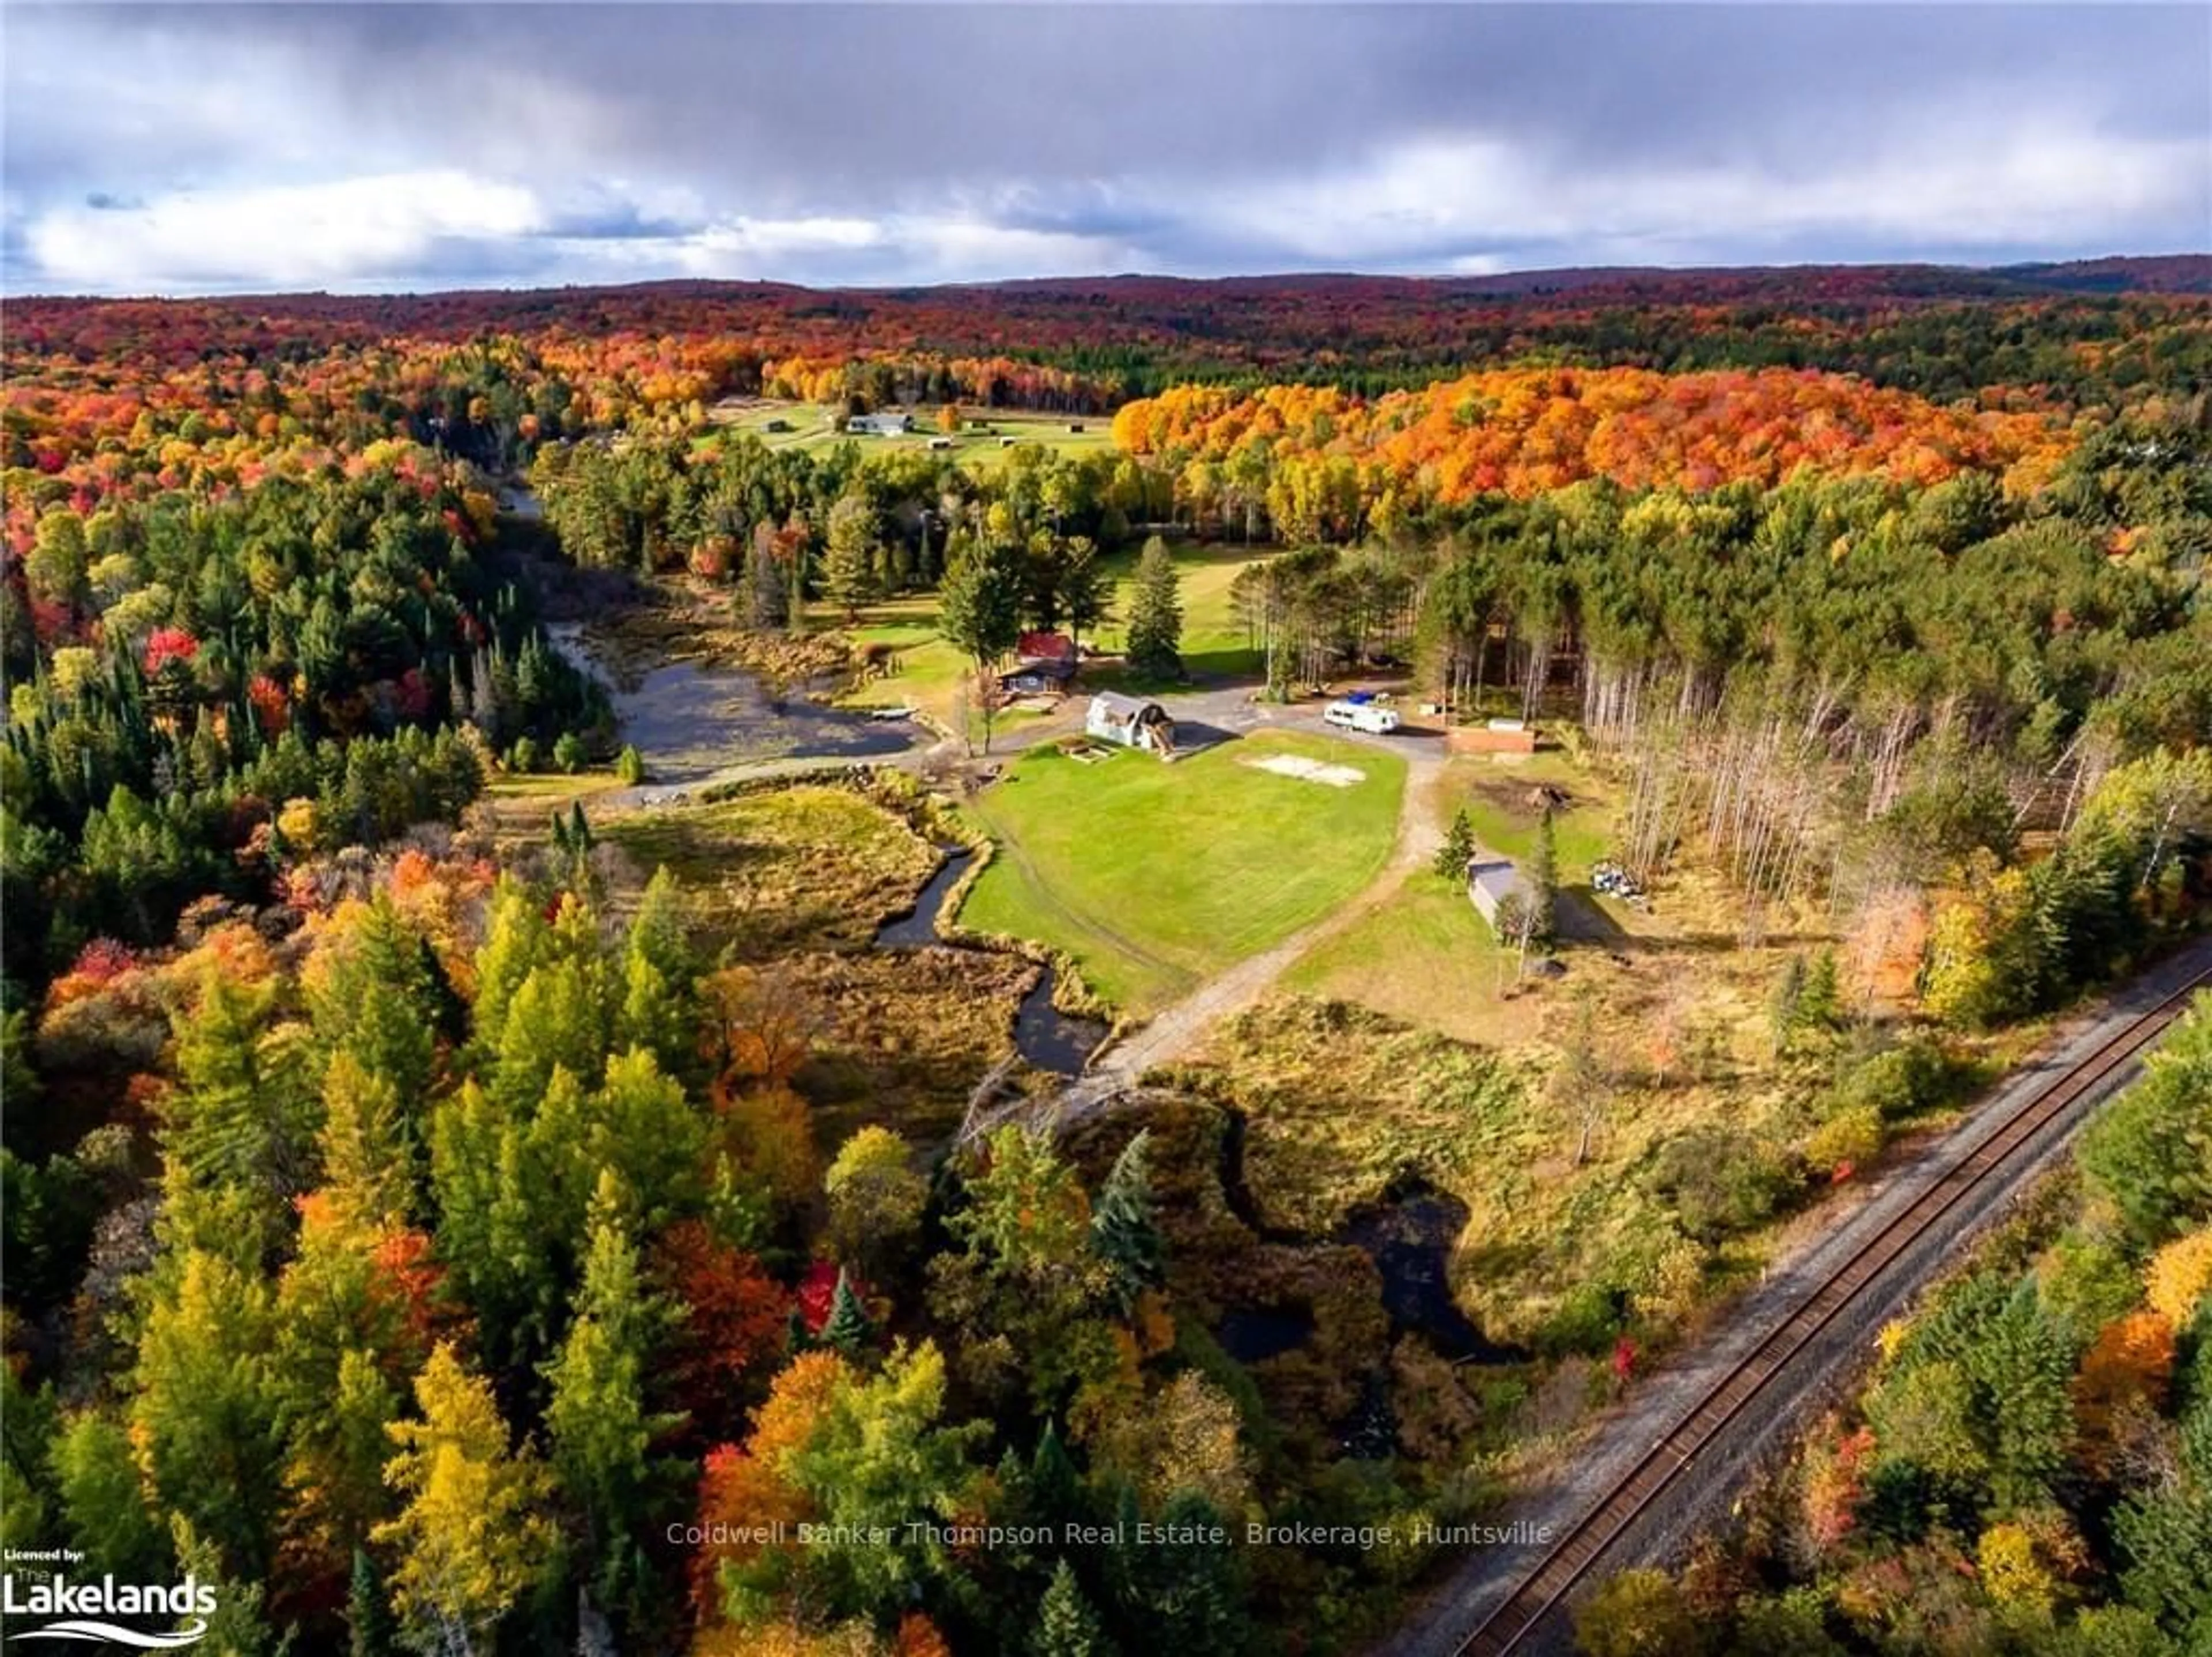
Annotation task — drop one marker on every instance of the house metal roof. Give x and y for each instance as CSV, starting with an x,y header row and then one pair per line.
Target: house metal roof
x,y
1498,877
1046,647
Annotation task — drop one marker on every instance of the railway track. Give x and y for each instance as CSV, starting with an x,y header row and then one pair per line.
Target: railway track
x,y
1509,1626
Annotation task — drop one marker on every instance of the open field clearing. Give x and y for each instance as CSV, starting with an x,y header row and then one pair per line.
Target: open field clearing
x,y
978,443
1504,794
931,672
1425,955
1154,876
1215,642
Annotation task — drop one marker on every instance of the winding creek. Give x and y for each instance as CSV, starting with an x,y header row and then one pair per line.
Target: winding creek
x,y
1044,1035
693,721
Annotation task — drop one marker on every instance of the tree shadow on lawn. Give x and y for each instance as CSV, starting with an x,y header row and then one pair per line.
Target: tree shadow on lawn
x,y
1202,670
1212,667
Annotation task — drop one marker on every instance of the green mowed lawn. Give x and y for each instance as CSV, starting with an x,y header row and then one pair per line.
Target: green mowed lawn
x,y
1214,642
932,674
929,669
1424,956
1155,876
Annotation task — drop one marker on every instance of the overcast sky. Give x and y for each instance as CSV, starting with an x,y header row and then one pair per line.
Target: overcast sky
x,y
189,147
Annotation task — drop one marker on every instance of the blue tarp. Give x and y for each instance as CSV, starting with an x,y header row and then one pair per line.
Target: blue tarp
x,y
1360,699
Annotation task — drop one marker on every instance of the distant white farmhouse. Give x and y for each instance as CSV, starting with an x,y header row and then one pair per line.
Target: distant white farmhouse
x,y
879,425
1132,722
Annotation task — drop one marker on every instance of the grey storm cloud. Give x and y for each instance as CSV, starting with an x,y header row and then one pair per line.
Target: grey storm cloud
x,y
183,147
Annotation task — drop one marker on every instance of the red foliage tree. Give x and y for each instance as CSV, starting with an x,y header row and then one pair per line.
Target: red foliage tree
x,y
169,644
735,1316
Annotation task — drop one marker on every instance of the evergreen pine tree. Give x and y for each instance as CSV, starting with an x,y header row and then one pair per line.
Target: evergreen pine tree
x,y
1458,849
601,1432
1066,1625
1085,592
1155,644
660,1005
370,1165
1782,1006
239,1116
846,1328
848,567
100,1492
473,1537
1054,1485
1123,1232
513,940
1820,1004
1543,921
379,1003
1186,1593
368,1619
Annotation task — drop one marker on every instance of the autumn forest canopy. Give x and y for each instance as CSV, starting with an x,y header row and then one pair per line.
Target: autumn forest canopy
x,y
451,1230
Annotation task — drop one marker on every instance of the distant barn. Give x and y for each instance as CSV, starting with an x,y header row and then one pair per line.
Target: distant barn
x,y
1043,661
1045,647
1037,678
879,425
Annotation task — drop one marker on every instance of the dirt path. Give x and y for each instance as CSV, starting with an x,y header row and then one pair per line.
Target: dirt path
x,y
1178,1028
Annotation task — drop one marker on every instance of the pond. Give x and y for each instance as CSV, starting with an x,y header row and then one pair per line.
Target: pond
x,y
1410,1235
691,721
1044,1036
1250,1334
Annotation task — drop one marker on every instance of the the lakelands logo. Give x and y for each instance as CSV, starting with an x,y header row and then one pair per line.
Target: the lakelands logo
x,y
81,1612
